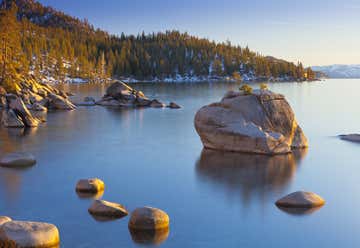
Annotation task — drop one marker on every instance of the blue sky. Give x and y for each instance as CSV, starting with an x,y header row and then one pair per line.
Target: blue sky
x,y
316,32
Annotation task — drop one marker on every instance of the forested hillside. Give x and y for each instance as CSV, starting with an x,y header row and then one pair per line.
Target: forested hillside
x,y
51,44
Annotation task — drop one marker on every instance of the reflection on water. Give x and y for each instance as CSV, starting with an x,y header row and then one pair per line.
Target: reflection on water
x,y
87,195
252,175
149,237
299,211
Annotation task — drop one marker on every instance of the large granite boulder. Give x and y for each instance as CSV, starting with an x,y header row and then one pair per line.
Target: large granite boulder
x,y
11,120
148,218
2,97
261,122
18,113
119,89
60,102
4,219
28,234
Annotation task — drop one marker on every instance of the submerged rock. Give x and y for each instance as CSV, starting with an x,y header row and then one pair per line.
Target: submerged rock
x,y
28,234
157,104
88,101
262,122
18,159
107,209
4,219
110,102
92,185
351,137
173,105
301,199
148,218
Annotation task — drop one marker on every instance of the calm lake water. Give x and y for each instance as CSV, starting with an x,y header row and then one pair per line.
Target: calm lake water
x,y
154,157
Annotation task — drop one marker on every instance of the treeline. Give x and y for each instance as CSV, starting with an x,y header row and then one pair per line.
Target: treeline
x,y
49,43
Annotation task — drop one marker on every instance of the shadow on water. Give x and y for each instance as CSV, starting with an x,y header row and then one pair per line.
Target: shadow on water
x,y
251,175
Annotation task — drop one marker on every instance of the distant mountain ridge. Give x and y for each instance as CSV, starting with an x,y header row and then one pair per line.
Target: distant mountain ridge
x,y
339,71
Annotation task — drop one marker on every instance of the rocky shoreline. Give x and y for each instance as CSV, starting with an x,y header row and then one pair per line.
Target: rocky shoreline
x,y
21,109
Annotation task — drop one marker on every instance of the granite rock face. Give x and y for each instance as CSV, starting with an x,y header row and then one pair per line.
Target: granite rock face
x,y
262,122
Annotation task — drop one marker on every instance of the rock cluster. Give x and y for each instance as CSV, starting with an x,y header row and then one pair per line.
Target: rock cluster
x,y
120,94
261,122
31,96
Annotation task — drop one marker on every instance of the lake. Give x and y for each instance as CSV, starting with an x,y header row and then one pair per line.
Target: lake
x,y
154,157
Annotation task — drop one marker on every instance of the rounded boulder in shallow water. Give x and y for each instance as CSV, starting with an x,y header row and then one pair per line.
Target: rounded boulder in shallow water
x,y
148,218
4,219
107,209
18,159
28,234
92,185
301,199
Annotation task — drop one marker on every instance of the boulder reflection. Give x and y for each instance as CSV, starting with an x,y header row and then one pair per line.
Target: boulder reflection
x,y
251,175
299,211
149,237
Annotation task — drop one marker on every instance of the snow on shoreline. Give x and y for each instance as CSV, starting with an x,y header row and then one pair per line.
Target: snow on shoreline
x,y
177,79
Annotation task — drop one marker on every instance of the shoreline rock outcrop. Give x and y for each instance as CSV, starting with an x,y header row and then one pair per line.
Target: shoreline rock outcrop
x,y
119,94
260,122
31,95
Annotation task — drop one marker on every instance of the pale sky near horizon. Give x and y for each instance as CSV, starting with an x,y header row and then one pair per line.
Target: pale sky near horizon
x,y
316,32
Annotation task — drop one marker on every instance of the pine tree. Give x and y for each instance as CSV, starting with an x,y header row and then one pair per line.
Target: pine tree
x,y
12,59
